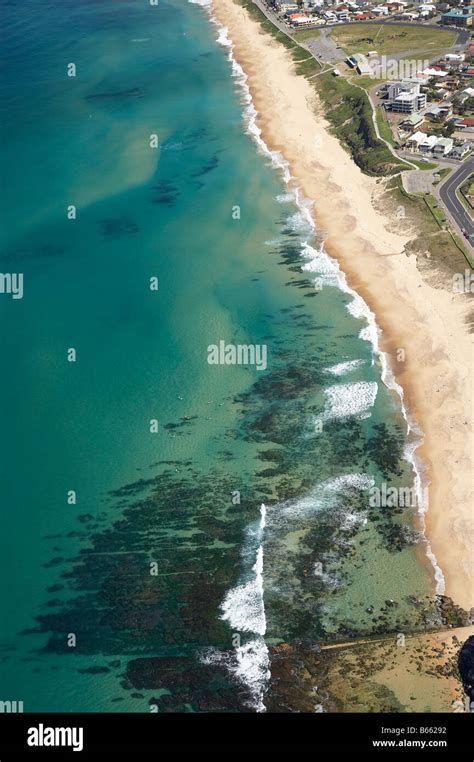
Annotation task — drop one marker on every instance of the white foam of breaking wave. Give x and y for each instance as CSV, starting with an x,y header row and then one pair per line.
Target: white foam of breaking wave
x,y
286,198
223,37
341,368
348,482
298,222
344,400
243,608
319,262
250,665
323,264
252,668
323,496
243,605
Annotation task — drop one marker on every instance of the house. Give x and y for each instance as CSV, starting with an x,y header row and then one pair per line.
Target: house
x,y
459,152
288,7
407,16
394,7
439,113
465,124
300,19
442,91
462,16
459,57
412,122
434,71
414,141
462,96
443,146
428,144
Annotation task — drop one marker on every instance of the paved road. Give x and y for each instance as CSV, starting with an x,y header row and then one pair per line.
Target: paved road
x,y
447,192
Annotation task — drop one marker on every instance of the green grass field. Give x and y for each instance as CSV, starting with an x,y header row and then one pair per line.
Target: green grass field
x,y
435,210
366,82
384,127
441,174
423,165
306,34
360,38
467,189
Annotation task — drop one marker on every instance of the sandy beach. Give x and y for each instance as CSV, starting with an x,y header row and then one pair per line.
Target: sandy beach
x,y
428,323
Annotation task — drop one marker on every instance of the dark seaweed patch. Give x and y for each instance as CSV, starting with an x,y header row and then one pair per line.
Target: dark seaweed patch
x,y
208,167
134,92
165,193
117,227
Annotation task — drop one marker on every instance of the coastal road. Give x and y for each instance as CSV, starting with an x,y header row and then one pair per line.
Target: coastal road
x,y
447,193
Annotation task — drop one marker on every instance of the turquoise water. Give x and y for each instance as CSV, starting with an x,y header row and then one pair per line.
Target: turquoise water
x,y
169,497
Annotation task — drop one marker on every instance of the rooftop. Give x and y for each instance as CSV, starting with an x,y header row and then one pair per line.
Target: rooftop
x,y
413,119
466,11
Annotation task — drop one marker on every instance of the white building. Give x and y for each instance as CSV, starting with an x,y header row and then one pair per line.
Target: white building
x,y
405,97
427,145
434,73
443,146
419,142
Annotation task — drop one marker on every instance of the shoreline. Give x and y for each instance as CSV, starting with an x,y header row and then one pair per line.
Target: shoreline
x,y
354,233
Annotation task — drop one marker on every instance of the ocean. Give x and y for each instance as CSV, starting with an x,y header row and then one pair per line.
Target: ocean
x,y
169,523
